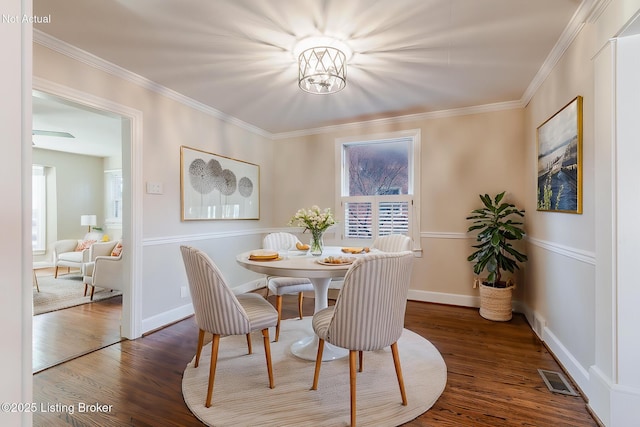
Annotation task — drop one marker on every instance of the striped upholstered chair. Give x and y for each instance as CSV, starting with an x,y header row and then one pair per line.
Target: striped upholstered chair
x,y
285,285
368,314
392,243
220,312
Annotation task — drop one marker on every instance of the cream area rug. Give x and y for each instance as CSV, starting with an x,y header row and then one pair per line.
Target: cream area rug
x,y
241,394
64,292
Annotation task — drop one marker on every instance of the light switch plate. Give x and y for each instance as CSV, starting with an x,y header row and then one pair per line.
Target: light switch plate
x,y
154,188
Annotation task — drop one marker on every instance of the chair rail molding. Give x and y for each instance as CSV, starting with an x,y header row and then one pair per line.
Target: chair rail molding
x,y
588,257
170,240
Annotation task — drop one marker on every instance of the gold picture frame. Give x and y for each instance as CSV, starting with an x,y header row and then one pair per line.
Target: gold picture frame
x,y
214,187
559,143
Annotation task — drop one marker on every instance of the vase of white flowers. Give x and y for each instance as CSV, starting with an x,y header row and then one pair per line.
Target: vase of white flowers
x,y
316,221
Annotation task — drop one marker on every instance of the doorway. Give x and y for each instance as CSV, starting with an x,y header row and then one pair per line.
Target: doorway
x,y
127,149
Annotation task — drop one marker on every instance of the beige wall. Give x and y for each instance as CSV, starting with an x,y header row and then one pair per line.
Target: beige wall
x,y
462,156
560,291
166,125
577,296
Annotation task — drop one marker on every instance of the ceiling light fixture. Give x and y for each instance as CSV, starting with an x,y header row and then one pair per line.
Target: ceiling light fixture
x,y
322,65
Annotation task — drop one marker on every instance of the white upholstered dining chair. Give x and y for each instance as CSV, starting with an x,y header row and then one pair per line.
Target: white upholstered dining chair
x,y
368,314
285,285
388,243
220,312
392,243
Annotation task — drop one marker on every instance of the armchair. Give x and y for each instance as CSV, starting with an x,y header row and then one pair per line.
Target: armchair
x,y
66,255
104,268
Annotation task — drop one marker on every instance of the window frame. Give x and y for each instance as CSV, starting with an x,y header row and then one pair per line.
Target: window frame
x,y
41,194
413,196
111,220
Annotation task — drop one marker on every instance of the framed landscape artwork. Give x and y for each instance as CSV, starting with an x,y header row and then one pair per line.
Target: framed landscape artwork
x,y
560,160
217,187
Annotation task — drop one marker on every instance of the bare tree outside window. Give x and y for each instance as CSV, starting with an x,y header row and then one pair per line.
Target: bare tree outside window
x,y
378,169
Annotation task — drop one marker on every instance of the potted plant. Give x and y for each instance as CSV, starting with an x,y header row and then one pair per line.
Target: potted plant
x,y
494,253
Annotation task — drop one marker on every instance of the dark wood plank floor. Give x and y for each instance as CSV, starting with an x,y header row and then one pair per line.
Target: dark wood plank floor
x,y
62,335
492,376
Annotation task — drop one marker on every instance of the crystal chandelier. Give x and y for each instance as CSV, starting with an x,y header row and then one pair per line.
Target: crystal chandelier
x,y
322,65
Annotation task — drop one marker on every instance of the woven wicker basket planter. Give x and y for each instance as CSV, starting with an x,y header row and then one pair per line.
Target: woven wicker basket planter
x,y
495,303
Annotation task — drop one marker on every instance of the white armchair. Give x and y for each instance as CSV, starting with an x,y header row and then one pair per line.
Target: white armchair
x,y
66,255
104,269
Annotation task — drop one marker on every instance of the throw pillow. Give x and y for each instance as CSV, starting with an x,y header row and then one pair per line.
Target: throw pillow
x,y
84,244
117,250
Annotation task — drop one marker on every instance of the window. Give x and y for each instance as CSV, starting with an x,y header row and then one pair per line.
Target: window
x,y
379,186
113,197
38,209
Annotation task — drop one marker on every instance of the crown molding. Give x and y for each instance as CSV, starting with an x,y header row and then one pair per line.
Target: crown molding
x,y
586,12
94,61
476,109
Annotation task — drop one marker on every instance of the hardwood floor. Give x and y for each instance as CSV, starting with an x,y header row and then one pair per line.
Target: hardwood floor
x,y
63,335
491,367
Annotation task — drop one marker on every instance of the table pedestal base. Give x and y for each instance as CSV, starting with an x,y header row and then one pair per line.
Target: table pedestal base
x,y
307,348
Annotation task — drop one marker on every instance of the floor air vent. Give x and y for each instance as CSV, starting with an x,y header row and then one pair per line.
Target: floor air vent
x,y
557,382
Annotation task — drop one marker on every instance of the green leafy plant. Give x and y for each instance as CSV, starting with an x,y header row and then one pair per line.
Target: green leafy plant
x,y
497,228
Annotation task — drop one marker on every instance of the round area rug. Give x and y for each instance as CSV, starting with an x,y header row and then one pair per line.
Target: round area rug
x,y
242,397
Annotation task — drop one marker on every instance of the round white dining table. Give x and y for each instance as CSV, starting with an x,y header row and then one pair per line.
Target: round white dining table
x,y
300,264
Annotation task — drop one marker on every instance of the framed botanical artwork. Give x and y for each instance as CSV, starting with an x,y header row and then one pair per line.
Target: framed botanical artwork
x,y
560,160
217,187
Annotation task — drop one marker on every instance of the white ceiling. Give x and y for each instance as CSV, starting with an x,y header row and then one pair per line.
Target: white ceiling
x,y
410,56
95,133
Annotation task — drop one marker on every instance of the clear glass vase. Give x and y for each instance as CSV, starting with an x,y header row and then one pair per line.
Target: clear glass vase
x,y
317,245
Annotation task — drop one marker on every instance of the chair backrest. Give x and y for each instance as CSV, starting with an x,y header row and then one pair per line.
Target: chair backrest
x,y
369,311
217,309
392,243
277,241
101,249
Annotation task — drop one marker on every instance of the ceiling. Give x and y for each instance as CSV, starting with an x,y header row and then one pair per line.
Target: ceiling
x,y
95,133
410,56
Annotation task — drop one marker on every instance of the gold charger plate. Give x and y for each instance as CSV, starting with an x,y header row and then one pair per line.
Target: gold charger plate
x,y
265,259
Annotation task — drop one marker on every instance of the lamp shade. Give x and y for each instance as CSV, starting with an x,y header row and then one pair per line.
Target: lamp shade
x,y
88,220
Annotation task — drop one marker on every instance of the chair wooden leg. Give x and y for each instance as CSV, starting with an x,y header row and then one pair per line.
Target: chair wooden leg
x,y
200,344
212,368
55,274
93,289
360,361
396,363
85,289
316,374
300,298
352,384
279,310
249,343
267,354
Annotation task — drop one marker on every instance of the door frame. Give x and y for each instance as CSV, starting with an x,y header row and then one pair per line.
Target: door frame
x,y
131,167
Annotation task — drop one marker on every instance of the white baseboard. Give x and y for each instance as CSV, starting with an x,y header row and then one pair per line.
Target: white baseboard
x,y
566,359
442,298
625,402
166,318
179,313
